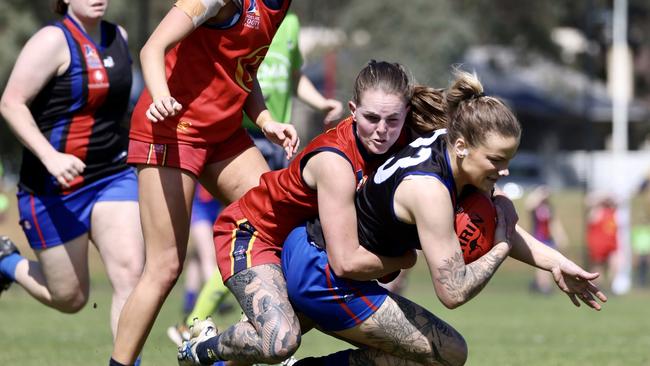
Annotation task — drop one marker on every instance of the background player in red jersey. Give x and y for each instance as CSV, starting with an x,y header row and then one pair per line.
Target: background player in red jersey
x,y
199,67
65,101
410,204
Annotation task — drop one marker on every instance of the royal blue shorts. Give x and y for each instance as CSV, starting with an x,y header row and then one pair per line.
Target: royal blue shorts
x,y
333,303
205,210
51,220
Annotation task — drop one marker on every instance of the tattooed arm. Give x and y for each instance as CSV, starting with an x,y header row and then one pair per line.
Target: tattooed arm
x,y
454,282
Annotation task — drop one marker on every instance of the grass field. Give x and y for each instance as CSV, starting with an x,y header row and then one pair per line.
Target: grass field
x,y
504,325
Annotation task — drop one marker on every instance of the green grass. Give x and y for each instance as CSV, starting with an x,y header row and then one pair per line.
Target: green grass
x,y
504,325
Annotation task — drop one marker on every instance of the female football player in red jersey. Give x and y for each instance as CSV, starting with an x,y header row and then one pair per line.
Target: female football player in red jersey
x,y
322,180
409,204
65,101
199,67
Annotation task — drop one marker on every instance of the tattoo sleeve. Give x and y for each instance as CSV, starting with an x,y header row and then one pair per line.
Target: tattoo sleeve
x,y
463,282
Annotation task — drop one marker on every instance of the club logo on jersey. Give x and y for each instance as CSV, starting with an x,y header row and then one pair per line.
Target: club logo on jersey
x,y
247,67
109,62
252,18
183,126
98,76
92,59
158,148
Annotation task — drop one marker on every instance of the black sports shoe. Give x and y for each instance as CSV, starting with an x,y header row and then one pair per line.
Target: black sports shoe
x,y
6,247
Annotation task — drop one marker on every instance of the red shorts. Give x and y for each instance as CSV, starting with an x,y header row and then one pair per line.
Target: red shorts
x,y
600,252
238,245
190,157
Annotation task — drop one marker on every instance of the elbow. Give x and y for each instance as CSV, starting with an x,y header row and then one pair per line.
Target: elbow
x,y
340,269
5,106
346,269
150,51
451,305
145,51
451,301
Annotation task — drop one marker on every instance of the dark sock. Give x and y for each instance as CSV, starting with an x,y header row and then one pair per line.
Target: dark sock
x,y
310,361
341,358
112,362
205,349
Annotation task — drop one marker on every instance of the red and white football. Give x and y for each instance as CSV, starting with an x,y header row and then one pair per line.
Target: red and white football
x,y
476,219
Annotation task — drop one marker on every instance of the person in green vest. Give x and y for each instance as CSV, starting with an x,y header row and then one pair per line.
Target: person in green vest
x,y
281,79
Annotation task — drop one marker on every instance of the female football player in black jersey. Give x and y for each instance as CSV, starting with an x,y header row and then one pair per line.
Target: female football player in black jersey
x,y
409,204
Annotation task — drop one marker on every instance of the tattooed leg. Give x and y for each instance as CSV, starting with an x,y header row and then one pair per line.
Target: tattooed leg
x,y
401,329
272,332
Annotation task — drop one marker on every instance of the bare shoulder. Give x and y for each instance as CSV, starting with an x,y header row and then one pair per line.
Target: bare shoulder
x,y
49,37
415,196
47,48
423,186
326,166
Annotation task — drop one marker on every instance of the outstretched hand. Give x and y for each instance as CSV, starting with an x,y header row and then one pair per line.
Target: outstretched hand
x,y
576,283
283,134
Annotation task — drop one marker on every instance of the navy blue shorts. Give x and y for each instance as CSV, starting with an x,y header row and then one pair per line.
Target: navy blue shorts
x,y
333,303
51,220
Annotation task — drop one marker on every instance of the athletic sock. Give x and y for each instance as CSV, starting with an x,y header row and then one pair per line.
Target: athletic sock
x,y
112,362
205,349
341,358
189,300
8,265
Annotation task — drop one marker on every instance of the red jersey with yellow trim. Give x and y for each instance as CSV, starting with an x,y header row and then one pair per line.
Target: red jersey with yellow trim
x,y
210,73
283,201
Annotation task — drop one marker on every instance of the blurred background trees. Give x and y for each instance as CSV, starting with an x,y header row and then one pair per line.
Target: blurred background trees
x,y
426,35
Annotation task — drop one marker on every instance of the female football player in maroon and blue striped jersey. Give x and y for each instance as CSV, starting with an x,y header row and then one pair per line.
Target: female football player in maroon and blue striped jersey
x,y
65,101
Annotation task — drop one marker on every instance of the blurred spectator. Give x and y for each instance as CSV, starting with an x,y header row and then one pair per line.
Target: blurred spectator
x,y
602,235
547,228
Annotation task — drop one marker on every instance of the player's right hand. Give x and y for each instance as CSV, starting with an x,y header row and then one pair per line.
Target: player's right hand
x,y
509,213
162,108
283,134
506,221
64,167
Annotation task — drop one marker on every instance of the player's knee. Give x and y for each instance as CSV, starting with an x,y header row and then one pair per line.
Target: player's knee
x,y
164,272
125,274
283,349
284,342
69,302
